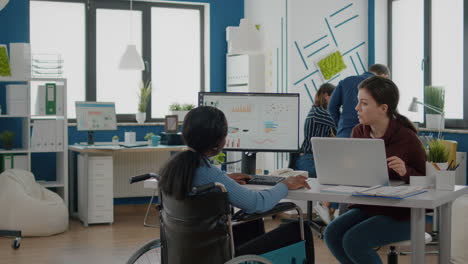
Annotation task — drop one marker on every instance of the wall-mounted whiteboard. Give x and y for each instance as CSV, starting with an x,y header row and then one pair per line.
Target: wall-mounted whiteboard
x,y
92,116
258,121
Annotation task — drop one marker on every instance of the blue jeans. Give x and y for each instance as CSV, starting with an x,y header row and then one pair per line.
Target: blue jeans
x,y
306,163
352,236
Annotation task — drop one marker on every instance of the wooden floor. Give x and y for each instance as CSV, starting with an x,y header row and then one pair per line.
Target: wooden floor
x,y
115,243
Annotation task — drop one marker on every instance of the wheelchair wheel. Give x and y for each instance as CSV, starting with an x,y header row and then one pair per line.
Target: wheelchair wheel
x,y
150,253
250,259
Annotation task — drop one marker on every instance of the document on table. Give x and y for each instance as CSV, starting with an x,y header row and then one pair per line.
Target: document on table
x,y
393,192
343,189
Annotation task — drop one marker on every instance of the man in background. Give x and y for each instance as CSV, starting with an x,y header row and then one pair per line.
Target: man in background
x,y
345,97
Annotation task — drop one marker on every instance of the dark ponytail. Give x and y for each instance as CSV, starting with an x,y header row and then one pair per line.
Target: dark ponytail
x,y
203,129
385,91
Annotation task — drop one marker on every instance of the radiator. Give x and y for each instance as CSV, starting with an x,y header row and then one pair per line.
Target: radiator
x,y
129,164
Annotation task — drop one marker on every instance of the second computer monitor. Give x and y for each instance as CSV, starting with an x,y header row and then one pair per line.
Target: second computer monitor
x,y
266,122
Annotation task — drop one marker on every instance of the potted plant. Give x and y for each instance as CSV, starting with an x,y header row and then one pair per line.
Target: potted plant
x,y
434,96
7,139
180,110
437,157
148,137
143,99
115,140
219,159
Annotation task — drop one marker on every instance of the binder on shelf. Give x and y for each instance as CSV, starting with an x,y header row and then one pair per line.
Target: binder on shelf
x,y
40,100
59,100
16,99
51,99
10,161
59,145
6,162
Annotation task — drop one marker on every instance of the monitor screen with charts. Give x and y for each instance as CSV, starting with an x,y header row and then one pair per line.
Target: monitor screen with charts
x,y
95,116
258,121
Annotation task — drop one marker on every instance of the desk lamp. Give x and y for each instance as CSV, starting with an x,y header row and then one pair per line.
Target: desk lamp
x,y
413,107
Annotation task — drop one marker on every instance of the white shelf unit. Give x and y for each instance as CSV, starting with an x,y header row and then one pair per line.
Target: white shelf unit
x,y
60,183
245,73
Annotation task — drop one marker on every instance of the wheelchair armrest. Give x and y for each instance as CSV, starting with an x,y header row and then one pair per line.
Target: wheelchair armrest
x,y
242,216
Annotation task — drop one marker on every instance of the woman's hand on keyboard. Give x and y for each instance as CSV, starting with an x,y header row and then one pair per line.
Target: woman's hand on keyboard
x,y
239,177
296,182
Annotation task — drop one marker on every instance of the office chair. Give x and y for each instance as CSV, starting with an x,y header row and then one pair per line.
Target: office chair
x,y
200,227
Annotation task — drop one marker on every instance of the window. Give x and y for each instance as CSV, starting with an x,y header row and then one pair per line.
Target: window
x,y
408,53
91,36
427,40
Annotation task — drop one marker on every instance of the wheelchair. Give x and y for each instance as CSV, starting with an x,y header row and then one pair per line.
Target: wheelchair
x,y
199,229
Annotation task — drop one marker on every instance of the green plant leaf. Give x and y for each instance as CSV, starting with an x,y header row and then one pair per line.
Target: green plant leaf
x,y
434,96
437,151
144,96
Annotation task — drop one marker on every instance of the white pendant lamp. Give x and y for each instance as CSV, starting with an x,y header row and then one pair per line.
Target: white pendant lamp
x,y
131,59
3,3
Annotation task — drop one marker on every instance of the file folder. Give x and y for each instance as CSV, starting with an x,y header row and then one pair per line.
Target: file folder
x,y
6,162
51,99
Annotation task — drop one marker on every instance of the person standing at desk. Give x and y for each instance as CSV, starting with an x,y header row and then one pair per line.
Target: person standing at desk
x,y
344,99
352,236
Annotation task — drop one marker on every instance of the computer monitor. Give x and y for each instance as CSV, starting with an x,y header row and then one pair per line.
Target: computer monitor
x,y
95,116
258,122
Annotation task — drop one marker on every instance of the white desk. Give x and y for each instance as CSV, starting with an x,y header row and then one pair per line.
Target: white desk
x,y
442,200
137,160
418,204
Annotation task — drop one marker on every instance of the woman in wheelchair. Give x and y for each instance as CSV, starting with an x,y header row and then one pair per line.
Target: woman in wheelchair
x,y
352,236
204,131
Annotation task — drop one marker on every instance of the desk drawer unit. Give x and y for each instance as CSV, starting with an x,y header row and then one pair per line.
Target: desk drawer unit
x,y
95,189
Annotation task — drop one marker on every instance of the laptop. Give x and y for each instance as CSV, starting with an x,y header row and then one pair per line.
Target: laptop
x,y
350,161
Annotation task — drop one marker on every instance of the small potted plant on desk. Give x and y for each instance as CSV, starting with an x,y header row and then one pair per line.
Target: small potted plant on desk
x,y
148,137
143,99
437,157
7,139
115,140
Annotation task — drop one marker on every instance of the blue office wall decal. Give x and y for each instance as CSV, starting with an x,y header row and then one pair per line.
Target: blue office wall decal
x,y
282,55
300,54
287,50
360,61
371,32
315,86
346,21
342,9
307,76
334,77
354,65
277,70
359,45
317,51
310,44
331,32
308,93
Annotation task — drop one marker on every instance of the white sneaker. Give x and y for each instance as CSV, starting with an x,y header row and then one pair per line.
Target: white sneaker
x,y
323,212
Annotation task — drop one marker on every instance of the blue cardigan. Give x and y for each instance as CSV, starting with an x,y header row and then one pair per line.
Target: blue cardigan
x,y
345,95
251,201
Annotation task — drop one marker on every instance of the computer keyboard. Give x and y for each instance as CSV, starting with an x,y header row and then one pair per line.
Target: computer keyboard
x,y
265,179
